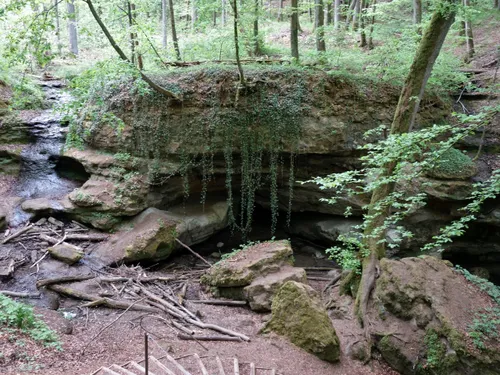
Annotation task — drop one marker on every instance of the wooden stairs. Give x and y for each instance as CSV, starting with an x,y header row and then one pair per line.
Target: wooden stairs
x,y
187,365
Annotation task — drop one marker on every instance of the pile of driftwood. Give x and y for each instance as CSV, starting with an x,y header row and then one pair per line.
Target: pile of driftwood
x,y
162,297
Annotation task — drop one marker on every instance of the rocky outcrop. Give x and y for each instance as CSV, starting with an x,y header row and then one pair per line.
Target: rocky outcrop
x,y
152,234
430,307
254,273
299,315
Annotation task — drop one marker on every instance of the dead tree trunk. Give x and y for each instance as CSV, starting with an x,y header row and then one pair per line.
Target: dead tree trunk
x,y
404,118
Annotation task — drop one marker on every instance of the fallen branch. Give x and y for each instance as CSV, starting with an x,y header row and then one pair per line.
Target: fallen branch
x,y
62,279
218,329
220,302
19,294
18,233
208,338
194,252
108,302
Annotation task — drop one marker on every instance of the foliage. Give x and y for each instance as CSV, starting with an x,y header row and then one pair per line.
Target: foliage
x,y
20,316
435,349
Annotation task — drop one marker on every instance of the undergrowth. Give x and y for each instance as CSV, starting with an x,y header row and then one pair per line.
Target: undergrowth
x,y
18,316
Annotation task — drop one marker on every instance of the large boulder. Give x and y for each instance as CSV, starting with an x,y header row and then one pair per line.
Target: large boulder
x,y
453,165
428,306
245,265
152,234
299,315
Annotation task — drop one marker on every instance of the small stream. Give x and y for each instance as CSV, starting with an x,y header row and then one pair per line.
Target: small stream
x,y
38,177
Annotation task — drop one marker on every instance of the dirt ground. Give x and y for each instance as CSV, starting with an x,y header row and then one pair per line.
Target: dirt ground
x,y
90,345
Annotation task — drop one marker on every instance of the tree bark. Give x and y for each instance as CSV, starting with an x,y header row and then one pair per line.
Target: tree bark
x,y
372,25
236,43
73,34
319,22
404,119
336,14
122,55
469,39
329,13
257,50
194,15
363,43
417,12
174,33
357,15
294,29
131,33
223,13
164,26
280,10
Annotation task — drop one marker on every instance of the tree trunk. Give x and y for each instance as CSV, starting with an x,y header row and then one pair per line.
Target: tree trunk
x,y
122,55
336,14
350,14
257,50
363,43
131,34
294,29
73,35
357,15
417,12
174,33
164,26
469,39
372,24
329,13
236,42
58,27
319,21
404,119
194,15
223,14
280,10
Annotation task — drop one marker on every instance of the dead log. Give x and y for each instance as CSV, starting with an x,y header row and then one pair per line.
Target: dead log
x,y
19,294
62,279
193,252
108,302
18,233
208,337
87,237
219,302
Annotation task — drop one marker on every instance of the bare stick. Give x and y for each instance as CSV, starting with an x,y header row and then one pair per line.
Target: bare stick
x,y
62,279
19,294
18,233
39,260
220,302
208,338
194,253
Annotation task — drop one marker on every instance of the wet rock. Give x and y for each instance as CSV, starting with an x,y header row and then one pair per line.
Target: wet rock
x,y
66,253
246,265
321,228
55,222
261,291
299,315
429,307
10,159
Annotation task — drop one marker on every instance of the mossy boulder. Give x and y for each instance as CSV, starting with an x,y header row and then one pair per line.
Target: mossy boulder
x,y
299,315
425,310
453,165
66,253
246,265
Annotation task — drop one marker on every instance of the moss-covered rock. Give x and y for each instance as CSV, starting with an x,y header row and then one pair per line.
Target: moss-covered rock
x,y
66,253
453,165
246,265
425,304
299,315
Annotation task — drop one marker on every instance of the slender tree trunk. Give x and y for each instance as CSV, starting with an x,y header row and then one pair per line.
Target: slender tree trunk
x,y
319,22
417,12
294,29
404,119
280,10
350,14
372,24
174,33
310,10
329,13
363,43
73,35
336,14
164,26
236,43
131,34
194,15
58,27
223,13
357,15
469,39
124,57
257,50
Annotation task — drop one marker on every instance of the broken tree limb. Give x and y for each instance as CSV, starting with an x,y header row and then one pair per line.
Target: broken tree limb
x,y
108,302
218,329
62,279
19,294
193,252
219,302
208,338
124,57
18,233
